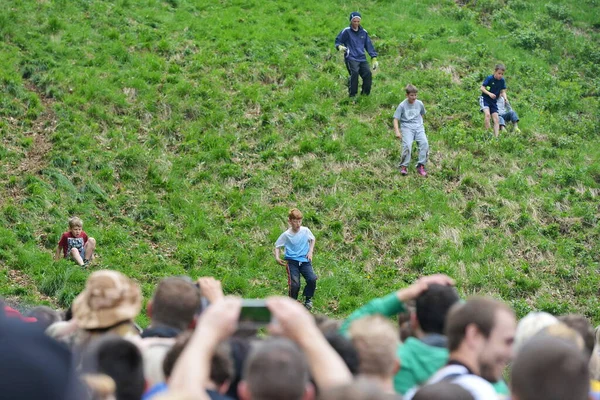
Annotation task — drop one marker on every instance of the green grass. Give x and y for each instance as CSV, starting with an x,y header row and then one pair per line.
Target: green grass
x,y
182,132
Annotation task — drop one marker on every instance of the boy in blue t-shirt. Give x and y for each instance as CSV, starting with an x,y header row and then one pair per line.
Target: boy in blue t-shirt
x,y
299,243
493,87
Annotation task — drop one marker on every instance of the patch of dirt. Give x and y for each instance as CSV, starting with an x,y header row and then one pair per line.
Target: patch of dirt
x,y
20,279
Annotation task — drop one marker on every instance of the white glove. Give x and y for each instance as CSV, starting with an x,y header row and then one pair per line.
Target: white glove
x,y
375,64
342,48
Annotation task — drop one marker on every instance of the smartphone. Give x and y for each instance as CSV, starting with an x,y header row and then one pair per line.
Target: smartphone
x,y
254,313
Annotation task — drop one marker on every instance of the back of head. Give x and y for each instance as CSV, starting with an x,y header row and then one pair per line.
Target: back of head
x,y
479,311
239,348
121,360
360,389
433,306
530,325
581,325
346,349
549,368
443,391
376,341
175,302
109,298
276,370
44,315
221,366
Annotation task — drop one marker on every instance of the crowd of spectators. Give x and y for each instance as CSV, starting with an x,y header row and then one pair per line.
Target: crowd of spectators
x,y
195,347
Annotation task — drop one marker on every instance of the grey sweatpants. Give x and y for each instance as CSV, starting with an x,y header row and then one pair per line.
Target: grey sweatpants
x,y
417,135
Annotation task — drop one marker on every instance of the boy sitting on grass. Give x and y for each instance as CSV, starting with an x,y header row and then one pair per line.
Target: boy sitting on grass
x,y
75,244
410,114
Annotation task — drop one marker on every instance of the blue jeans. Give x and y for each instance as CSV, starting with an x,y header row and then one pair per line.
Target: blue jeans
x,y
294,270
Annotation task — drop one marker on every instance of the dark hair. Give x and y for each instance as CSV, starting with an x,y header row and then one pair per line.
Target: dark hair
x,y
480,311
410,89
433,306
344,347
550,368
276,369
221,365
443,391
175,302
581,325
240,348
121,360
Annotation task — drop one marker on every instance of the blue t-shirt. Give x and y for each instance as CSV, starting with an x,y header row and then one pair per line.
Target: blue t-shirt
x,y
296,244
493,85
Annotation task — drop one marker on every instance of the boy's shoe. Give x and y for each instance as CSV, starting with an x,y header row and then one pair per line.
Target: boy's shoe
x,y
421,170
308,304
86,263
403,170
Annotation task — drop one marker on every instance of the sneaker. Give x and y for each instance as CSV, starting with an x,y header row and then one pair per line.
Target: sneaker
x,y
421,170
403,170
86,262
308,304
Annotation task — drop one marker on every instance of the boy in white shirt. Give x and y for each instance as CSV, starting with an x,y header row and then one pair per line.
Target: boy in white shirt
x,y
299,243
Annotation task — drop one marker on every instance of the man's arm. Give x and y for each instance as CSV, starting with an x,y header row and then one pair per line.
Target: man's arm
x,y
339,40
393,303
397,129
191,372
296,323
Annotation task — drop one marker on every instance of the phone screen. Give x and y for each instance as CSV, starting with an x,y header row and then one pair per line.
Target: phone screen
x,y
254,313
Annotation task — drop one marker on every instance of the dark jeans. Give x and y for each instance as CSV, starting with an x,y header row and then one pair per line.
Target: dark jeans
x,y
356,69
295,269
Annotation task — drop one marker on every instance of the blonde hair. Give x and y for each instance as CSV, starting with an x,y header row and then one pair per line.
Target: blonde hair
x,y
376,341
295,214
75,222
531,325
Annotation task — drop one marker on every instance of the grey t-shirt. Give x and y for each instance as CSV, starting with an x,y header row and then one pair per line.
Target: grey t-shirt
x,y
410,115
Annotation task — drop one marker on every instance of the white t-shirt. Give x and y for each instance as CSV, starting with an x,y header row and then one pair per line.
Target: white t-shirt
x,y
479,388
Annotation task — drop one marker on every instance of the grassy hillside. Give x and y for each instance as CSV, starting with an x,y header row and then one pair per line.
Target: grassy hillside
x,y
182,131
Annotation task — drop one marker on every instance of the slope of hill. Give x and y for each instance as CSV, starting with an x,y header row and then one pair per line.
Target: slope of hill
x,y
182,132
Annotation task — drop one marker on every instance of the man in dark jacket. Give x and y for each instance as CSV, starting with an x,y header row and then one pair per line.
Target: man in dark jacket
x,y
353,41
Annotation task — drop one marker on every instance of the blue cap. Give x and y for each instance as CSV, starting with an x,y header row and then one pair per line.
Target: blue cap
x,y
354,14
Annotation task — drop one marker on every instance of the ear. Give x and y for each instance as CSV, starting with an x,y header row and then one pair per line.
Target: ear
x,y
472,335
309,392
243,392
414,322
149,308
397,366
224,387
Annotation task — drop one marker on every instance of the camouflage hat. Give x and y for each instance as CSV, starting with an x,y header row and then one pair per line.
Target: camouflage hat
x,y
109,297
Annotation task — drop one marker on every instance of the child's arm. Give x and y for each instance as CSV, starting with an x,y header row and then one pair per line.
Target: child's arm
x,y
485,91
310,250
397,129
277,256
503,94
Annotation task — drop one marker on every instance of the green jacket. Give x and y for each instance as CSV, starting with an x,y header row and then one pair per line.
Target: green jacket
x,y
418,361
